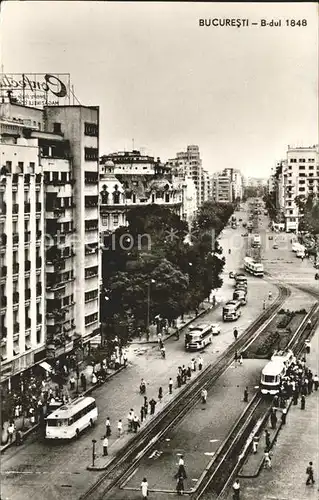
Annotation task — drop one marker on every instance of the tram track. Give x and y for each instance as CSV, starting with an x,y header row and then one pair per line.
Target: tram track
x,y
131,454
218,477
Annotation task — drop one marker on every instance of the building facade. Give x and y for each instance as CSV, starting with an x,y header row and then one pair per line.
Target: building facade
x,y
50,232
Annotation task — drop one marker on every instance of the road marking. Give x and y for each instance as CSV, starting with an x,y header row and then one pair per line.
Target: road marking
x,y
214,440
209,453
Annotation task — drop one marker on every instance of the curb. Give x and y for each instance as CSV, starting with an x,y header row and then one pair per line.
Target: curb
x,y
36,426
143,342
260,466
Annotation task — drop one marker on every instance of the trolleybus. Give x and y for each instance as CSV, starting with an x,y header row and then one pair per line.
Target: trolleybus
x,y
69,420
253,267
232,310
198,337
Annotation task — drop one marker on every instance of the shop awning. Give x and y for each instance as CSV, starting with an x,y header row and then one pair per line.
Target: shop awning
x,y
46,366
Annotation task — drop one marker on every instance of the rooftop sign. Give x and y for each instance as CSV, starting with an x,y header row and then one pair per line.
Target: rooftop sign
x,y
36,89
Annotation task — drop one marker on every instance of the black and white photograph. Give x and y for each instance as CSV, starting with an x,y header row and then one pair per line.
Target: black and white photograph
x,y
159,258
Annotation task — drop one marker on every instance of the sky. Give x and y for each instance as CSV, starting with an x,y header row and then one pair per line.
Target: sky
x,y
242,94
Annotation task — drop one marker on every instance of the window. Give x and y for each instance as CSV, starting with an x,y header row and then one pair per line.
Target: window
x,y
92,295
311,160
105,220
302,160
116,197
91,271
31,167
302,189
20,166
302,167
115,219
91,154
91,201
57,128
91,129
311,167
91,177
91,318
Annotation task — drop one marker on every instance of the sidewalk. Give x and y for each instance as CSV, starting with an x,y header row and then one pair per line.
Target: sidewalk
x,y
180,324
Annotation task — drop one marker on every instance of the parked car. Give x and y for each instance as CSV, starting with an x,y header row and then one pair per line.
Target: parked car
x,y
216,329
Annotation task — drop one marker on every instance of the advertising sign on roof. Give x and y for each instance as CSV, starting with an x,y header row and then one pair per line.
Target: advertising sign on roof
x,y
36,89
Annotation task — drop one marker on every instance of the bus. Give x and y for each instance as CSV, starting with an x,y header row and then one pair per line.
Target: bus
x,y
69,420
253,267
274,371
232,310
198,337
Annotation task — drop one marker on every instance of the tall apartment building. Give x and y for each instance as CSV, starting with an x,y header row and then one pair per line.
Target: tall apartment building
x,y
222,188
49,194
189,164
300,177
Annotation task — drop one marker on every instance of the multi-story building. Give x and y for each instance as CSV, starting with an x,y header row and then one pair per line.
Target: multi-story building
x,y
189,164
122,187
50,225
222,188
300,179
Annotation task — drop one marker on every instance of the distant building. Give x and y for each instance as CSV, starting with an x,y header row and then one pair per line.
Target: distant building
x,y
227,185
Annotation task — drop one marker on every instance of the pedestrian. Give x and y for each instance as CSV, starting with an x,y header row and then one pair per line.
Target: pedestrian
x,y
180,485
264,305
144,488
17,411
236,490
246,395
152,404
269,295
303,402
310,385
316,382
18,438
241,360
200,363
189,372
295,397
204,395
130,418
145,406
170,385
124,359
120,428
283,416
108,431
193,367
160,394
142,414
105,446
84,383
181,468
255,444
179,380
235,333
236,357
267,459
309,472
273,419
136,423
267,439
11,430
159,339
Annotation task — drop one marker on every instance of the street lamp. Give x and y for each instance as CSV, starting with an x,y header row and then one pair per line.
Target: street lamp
x,y
148,304
93,451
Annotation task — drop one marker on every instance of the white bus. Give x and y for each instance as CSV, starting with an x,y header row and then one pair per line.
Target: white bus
x,y
274,371
232,310
198,337
69,420
253,267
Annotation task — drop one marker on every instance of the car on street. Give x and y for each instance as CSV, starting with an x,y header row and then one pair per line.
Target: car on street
x,y
275,246
216,329
231,274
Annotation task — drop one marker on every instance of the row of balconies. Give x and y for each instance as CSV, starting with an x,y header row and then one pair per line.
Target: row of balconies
x,y
15,208
16,267
16,326
16,296
27,177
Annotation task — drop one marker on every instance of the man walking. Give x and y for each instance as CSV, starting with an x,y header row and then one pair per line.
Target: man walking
x,y
236,490
170,385
107,427
316,382
152,404
204,395
11,430
235,333
105,446
273,419
309,472
200,363
267,438
120,428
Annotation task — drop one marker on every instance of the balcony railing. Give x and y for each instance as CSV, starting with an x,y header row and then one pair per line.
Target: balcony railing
x,y
15,297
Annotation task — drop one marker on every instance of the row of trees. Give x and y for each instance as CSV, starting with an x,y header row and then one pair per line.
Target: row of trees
x,y
156,267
